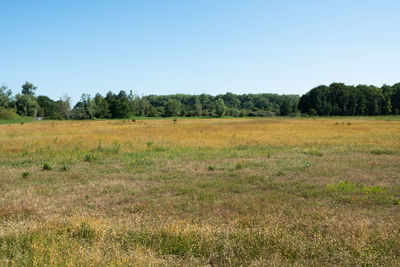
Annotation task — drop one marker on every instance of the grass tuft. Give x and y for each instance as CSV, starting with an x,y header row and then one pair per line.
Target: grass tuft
x,y
46,166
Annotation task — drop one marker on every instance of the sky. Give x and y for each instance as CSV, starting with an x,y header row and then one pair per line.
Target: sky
x,y
197,46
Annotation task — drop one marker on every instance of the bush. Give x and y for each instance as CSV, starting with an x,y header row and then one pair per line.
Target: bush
x,y
313,112
261,113
234,112
8,114
46,167
90,158
384,151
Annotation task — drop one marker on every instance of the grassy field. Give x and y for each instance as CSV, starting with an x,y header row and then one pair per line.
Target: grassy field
x,y
200,192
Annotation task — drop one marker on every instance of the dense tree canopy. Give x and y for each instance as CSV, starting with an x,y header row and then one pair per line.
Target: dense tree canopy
x,y
339,99
336,99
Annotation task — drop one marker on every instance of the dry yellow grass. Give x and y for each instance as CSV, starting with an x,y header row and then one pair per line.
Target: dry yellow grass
x,y
200,192
201,133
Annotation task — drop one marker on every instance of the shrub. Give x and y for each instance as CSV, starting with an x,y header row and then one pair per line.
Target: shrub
x,y
384,151
212,168
90,158
8,114
234,112
46,167
313,112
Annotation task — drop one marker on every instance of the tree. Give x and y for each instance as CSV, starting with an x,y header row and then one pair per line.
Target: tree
x,y
63,108
285,107
197,106
89,105
172,108
85,108
395,99
231,100
101,107
220,107
5,94
262,102
248,105
47,105
118,104
26,105
386,101
28,89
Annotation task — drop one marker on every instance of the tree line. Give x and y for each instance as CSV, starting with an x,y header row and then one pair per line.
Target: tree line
x,y
336,99
124,105
339,99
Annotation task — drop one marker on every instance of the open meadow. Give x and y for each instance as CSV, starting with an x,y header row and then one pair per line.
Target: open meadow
x,y
279,191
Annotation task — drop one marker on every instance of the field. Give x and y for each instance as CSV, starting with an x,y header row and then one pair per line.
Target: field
x,y
200,192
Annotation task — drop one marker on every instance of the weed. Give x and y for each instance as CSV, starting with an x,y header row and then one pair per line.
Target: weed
x,y
84,233
90,158
345,186
116,148
373,189
239,166
384,151
99,146
46,167
212,168
314,151
25,175
64,167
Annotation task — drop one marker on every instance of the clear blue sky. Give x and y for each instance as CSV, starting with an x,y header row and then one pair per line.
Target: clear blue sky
x,y
204,46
